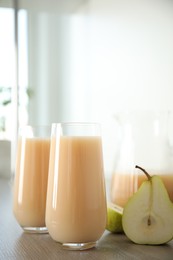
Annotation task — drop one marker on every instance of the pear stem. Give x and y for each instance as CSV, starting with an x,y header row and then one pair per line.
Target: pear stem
x,y
146,173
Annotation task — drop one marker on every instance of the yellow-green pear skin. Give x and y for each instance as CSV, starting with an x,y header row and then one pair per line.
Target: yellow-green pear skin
x,y
148,215
114,218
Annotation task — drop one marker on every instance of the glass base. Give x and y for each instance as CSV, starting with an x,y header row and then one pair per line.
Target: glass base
x,y
37,230
78,246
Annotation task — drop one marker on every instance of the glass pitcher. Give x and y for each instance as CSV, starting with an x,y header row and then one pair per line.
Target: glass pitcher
x,y
145,140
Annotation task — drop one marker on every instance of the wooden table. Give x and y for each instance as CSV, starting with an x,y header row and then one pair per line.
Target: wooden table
x,y
15,244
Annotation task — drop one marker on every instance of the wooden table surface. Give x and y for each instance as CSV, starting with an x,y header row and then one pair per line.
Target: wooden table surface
x,y
15,244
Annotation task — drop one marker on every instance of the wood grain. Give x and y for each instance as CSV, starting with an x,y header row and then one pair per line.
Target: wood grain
x,y
15,244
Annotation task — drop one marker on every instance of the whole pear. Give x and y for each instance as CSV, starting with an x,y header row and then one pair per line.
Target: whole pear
x,y
114,218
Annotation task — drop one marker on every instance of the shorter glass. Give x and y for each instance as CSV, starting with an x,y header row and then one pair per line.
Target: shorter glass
x,y
76,199
30,183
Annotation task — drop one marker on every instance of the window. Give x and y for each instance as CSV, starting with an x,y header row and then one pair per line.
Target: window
x,y
8,70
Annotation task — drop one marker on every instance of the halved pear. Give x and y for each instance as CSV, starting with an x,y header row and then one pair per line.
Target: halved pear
x,y
148,215
114,218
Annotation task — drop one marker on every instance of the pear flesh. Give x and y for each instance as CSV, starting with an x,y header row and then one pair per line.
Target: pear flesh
x,y
148,215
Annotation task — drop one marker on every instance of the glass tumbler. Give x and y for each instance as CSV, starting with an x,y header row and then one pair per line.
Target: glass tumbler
x,y
30,183
76,199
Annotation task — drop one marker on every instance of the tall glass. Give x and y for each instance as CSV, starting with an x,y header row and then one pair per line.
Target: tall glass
x,y
76,199
30,184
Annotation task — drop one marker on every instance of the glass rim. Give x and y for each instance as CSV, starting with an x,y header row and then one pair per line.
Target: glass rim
x,y
34,131
77,129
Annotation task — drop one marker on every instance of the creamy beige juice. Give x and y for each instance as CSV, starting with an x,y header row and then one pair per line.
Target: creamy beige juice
x,y
123,186
76,201
30,185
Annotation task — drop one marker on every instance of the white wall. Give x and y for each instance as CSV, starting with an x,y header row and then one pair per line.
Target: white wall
x,y
132,54
131,60
107,56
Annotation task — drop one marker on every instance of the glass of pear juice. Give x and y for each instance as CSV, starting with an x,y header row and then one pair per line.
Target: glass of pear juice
x,y
76,208
31,174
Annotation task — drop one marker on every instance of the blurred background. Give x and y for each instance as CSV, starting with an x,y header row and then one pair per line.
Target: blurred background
x,y
82,60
